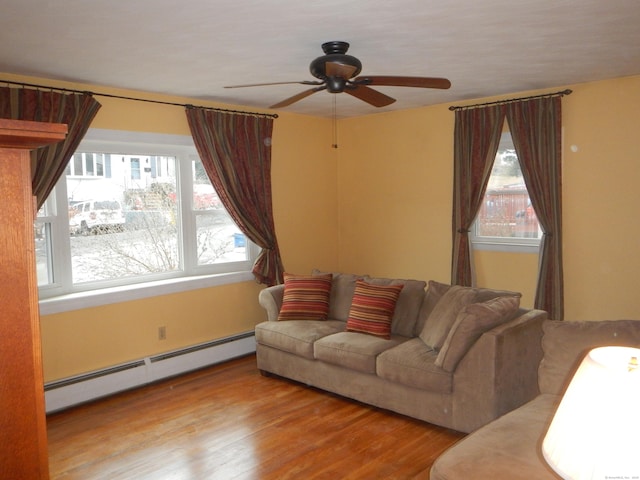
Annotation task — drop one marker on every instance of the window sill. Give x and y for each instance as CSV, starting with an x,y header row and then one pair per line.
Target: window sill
x,y
107,296
506,247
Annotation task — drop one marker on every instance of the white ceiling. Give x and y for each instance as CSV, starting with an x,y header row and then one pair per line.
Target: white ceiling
x,y
193,48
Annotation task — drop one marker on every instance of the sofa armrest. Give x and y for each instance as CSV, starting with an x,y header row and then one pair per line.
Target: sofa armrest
x,y
270,299
499,372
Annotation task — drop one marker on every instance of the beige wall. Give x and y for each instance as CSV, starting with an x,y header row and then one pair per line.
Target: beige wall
x,y
305,200
395,189
89,339
602,199
381,204
395,172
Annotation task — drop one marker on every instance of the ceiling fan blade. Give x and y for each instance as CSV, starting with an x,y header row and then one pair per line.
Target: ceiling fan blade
x,y
335,69
393,81
288,101
369,95
303,82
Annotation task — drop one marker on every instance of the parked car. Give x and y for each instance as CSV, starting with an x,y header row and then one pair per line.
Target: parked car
x,y
96,216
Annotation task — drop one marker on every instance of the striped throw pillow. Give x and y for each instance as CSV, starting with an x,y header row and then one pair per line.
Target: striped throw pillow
x,y
372,308
306,297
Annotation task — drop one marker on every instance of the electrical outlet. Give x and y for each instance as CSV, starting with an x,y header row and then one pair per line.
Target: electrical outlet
x,y
162,333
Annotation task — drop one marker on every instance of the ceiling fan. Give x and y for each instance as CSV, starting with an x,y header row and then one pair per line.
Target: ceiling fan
x,y
335,71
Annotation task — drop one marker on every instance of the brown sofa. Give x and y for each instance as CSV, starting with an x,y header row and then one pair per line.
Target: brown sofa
x,y
510,447
453,358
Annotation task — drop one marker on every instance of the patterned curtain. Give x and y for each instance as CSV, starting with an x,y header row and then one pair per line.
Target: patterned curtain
x,y
476,140
536,131
235,150
74,109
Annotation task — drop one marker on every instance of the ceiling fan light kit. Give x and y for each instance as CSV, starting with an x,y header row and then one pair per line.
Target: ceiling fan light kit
x,y
335,71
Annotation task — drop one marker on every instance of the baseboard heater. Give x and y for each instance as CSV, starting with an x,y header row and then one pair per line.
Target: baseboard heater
x,y
64,393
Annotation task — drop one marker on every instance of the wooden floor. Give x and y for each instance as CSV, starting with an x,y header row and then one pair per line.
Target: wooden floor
x,y
229,422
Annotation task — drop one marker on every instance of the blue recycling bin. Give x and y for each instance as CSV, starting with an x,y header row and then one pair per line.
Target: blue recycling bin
x,y
239,240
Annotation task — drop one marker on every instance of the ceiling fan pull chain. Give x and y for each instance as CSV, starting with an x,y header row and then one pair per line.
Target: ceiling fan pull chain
x,y
335,123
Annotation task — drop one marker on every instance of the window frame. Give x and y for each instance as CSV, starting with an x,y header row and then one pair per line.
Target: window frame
x,y
503,244
63,295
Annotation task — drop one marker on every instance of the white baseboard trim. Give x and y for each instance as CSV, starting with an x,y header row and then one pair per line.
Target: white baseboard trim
x,y
67,392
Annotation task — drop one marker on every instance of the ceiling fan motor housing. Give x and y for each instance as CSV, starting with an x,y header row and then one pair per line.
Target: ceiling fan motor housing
x,y
335,52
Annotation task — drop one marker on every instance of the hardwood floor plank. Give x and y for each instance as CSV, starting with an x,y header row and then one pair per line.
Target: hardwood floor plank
x,y
229,422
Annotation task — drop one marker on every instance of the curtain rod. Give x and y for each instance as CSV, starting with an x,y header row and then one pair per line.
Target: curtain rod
x,y
512,100
185,105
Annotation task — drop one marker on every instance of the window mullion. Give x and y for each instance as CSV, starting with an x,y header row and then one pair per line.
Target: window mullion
x,y
62,252
187,241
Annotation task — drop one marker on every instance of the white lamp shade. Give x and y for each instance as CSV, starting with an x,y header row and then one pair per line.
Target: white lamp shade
x,y
595,433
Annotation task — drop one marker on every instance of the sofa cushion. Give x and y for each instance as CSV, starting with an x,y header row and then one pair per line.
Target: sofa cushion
x,y
407,306
470,324
412,363
449,301
565,343
444,315
355,351
435,291
296,336
484,294
372,308
306,297
342,287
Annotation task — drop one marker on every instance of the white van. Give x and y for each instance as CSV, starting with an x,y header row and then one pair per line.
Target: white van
x,y
96,216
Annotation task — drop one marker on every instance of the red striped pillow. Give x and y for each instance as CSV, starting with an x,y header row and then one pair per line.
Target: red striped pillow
x,y
372,308
306,297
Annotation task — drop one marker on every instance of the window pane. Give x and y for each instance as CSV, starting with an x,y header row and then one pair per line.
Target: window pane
x,y
44,268
44,241
204,195
123,227
506,211
218,239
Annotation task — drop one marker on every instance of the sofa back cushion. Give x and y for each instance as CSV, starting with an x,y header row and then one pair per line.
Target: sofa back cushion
x,y
432,296
407,306
444,315
441,305
470,324
342,287
565,343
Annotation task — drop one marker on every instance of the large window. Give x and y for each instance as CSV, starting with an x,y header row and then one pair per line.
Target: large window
x,y
506,220
131,212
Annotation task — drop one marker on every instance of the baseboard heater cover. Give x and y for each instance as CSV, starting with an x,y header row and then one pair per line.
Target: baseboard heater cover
x,y
67,392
